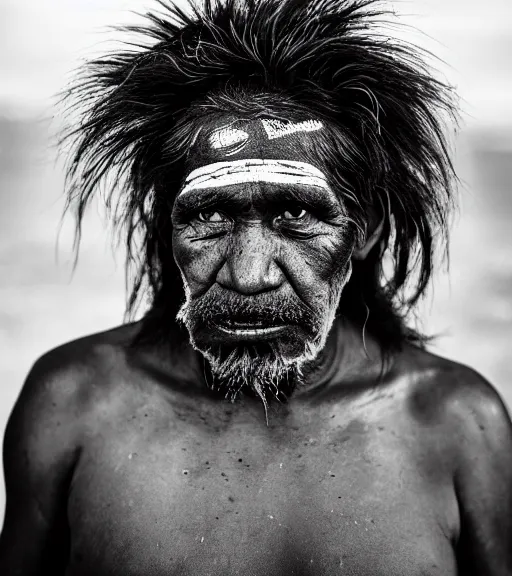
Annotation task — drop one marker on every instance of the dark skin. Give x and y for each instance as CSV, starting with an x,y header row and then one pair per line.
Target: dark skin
x,y
123,463
120,460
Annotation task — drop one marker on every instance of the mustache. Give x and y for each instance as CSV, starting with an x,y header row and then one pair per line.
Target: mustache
x,y
220,306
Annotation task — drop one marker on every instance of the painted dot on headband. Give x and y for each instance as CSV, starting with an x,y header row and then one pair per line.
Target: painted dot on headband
x,y
230,140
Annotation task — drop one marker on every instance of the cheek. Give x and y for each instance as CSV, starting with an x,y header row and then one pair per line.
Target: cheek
x,y
199,262
317,267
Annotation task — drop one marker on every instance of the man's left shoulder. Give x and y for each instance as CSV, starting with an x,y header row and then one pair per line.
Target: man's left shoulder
x,y
460,401
472,430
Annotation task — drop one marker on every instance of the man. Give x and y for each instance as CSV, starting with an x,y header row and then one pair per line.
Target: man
x,y
282,174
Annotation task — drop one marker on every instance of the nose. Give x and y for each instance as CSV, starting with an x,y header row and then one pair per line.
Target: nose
x,y
250,266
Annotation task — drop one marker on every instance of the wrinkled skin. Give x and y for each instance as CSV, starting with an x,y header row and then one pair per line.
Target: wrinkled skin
x,y
261,254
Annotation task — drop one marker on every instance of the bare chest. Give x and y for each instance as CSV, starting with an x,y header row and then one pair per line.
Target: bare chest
x,y
151,499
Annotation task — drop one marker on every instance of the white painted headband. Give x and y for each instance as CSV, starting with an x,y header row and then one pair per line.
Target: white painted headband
x,y
221,174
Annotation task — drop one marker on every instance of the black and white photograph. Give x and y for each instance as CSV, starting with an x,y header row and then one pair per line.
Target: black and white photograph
x,y
255,288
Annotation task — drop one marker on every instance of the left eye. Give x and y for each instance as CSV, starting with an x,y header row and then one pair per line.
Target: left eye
x,y
210,217
295,213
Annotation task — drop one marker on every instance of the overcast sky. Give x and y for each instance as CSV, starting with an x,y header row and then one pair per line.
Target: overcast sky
x,y
42,41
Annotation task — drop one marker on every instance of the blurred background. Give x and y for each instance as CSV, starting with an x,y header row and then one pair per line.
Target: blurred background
x,y
42,304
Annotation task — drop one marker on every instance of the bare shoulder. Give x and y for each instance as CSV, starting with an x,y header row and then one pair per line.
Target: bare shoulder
x,y
74,388
472,424
61,389
70,373
442,391
462,411
43,441
463,427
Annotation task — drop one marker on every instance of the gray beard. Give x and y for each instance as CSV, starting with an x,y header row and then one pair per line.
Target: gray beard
x,y
260,370
249,370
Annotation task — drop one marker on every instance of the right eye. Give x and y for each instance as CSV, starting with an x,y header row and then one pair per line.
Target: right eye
x,y
210,217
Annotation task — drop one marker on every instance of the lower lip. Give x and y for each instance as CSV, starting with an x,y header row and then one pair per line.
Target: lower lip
x,y
247,332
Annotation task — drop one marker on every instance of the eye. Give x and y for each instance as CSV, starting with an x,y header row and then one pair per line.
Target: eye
x,y
296,221
210,217
294,213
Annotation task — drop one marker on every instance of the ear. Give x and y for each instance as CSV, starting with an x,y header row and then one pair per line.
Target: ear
x,y
373,234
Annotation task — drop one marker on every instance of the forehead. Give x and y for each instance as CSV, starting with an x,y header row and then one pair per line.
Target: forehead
x,y
240,156
228,139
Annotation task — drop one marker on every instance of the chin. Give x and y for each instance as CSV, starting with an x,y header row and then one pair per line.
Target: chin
x,y
255,352
270,368
255,369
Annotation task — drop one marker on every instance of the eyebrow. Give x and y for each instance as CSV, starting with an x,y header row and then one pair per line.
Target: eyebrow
x,y
266,198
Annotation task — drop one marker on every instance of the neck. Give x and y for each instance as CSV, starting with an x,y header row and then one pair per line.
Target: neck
x,y
347,355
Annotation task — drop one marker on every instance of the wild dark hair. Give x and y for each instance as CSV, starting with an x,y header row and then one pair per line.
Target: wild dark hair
x,y
387,152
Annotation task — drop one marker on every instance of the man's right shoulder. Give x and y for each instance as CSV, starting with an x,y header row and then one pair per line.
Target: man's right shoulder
x,y
67,381
49,425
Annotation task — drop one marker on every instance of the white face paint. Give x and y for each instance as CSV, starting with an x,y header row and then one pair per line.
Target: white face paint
x,y
228,137
287,172
277,129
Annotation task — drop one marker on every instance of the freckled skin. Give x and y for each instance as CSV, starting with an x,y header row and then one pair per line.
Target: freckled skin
x,y
119,460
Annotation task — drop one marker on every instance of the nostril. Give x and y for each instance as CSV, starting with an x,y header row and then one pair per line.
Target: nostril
x,y
250,275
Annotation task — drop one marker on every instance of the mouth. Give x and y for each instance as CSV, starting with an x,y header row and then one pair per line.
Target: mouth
x,y
251,330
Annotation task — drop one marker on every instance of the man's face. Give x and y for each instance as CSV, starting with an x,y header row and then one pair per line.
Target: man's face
x,y
264,246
